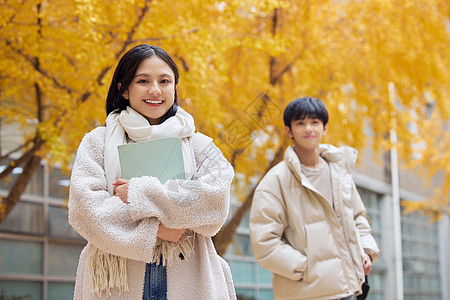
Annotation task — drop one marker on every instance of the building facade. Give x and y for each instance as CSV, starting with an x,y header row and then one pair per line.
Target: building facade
x,y
39,250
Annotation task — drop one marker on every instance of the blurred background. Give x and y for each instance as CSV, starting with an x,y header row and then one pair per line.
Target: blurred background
x,y
382,67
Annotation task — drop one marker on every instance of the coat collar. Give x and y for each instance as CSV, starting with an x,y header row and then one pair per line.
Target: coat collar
x,y
344,156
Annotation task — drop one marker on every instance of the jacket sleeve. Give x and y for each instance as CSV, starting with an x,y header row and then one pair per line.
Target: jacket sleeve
x,y
362,224
200,204
268,221
102,219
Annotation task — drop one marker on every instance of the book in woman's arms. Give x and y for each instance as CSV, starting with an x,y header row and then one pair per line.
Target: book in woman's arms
x,y
159,158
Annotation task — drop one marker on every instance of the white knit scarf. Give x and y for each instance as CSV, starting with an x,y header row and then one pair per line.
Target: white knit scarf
x,y
108,271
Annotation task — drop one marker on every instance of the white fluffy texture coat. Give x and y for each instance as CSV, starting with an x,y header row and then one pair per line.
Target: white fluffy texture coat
x,y
129,230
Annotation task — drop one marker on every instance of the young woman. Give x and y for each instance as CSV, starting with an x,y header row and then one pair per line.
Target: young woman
x,y
148,240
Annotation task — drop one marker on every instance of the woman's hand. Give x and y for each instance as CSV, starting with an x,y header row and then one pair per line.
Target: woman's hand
x,y
164,233
367,264
168,234
121,189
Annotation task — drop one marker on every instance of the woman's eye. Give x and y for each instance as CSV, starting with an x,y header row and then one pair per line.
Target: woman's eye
x,y
142,81
165,81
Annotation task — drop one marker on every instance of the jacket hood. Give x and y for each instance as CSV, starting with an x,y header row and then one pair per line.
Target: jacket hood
x,y
345,155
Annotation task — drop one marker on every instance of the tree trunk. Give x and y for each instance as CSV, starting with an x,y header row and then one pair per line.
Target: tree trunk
x,y
7,204
225,235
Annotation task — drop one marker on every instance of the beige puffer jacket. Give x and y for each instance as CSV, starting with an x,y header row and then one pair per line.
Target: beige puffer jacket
x,y
315,252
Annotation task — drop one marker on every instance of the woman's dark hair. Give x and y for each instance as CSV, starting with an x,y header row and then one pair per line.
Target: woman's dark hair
x,y
301,108
124,74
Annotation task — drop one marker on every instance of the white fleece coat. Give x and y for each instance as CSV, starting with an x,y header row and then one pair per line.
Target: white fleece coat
x,y
314,251
129,230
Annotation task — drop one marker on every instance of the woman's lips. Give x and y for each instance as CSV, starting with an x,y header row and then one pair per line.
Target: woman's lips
x,y
153,101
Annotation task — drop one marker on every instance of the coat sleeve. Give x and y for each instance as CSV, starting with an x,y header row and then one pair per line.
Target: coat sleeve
x,y
102,219
268,221
362,224
200,204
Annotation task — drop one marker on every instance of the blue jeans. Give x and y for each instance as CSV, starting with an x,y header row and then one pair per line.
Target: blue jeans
x,y
155,284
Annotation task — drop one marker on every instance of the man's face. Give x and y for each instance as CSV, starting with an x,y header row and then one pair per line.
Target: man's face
x,y
306,133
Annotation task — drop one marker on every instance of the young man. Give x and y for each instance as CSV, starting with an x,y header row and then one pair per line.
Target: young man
x,y
307,221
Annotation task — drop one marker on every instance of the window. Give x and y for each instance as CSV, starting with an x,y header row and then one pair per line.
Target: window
x,y
26,217
64,259
20,257
60,291
420,246
39,250
34,187
20,290
250,279
241,245
243,271
58,225
58,184
372,202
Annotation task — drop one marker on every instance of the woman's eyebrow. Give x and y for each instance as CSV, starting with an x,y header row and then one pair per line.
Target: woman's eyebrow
x,y
145,74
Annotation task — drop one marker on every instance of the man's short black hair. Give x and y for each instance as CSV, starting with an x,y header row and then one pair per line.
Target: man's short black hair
x,y
304,107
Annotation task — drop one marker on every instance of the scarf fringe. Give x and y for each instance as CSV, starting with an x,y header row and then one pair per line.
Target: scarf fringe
x,y
167,252
108,271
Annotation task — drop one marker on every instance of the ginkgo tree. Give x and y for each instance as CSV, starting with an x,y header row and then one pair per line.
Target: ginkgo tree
x,y
376,64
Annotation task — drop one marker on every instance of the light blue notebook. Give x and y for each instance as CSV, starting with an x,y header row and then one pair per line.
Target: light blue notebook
x,y
159,158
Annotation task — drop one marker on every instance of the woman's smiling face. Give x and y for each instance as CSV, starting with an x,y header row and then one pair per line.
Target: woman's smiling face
x,y
152,90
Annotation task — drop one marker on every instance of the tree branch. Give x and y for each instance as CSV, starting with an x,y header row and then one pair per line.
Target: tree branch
x,y
273,61
32,60
166,37
37,143
14,14
125,44
274,79
17,149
